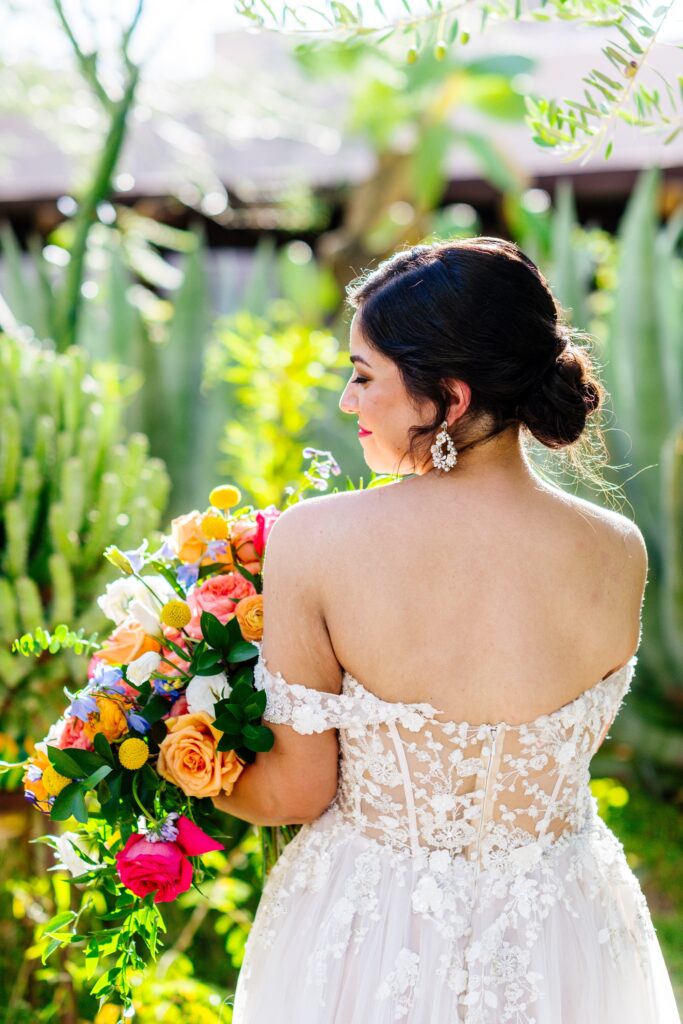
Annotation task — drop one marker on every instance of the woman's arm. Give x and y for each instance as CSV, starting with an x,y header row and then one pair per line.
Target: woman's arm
x,y
296,780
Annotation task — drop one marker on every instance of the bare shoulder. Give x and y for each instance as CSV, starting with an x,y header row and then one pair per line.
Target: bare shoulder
x,y
334,510
619,539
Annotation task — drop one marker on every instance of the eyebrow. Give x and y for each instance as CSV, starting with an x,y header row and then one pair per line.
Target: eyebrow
x,y
359,359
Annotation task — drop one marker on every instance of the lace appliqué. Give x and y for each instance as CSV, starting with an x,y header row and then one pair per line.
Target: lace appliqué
x,y
490,822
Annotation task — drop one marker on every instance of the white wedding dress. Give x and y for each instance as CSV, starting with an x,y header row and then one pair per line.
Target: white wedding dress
x,y
461,875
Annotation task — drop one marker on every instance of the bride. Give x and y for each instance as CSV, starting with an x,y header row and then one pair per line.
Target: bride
x,y
442,658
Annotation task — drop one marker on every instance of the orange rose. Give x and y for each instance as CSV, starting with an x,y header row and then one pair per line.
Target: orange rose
x,y
243,534
35,790
128,642
249,614
109,718
188,757
189,541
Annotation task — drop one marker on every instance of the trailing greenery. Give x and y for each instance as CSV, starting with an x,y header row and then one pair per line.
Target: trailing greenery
x,y
627,88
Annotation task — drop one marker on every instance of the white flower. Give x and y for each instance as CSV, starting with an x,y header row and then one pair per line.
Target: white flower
x,y
139,671
148,618
67,856
204,691
55,732
116,601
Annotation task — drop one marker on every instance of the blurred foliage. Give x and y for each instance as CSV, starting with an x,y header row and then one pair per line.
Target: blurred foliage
x,y
409,116
72,481
276,356
627,88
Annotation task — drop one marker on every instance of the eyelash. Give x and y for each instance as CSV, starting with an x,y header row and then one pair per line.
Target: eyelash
x,y
359,380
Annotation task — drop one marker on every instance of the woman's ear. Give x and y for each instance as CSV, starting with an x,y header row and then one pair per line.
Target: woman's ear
x,y
460,398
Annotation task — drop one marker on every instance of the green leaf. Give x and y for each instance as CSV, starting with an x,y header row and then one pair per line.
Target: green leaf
x,y
87,760
64,763
155,709
207,663
56,922
229,741
214,632
258,737
97,776
70,802
256,706
103,748
241,694
242,651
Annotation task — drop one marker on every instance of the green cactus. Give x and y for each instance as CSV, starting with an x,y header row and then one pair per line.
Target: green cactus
x,y
71,482
637,319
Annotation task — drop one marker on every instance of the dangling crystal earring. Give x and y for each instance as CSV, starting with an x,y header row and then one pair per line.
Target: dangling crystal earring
x,y
444,460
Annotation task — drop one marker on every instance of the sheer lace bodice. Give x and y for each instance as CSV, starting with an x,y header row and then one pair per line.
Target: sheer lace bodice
x,y
461,875
419,783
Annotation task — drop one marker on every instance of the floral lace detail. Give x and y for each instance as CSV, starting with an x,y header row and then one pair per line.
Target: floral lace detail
x,y
489,825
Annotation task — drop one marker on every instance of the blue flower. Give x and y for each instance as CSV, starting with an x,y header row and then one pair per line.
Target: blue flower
x,y
137,722
136,556
187,575
82,706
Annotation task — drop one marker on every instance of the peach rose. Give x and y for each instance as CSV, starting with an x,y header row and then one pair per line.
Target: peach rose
x,y
245,535
189,541
188,757
126,643
249,614
109,718
168,654
219,595
73,735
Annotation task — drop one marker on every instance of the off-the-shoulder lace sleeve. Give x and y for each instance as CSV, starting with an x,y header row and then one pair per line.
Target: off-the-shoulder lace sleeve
x,y
304,708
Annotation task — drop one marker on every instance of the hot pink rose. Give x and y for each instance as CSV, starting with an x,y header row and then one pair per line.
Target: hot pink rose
x,y
163,867
218,595
264,524
72,735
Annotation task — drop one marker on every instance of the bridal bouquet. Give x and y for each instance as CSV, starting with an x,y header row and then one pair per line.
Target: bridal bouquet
x,y
168,718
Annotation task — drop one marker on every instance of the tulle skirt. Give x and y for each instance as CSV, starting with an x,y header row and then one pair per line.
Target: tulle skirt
x,y
350,931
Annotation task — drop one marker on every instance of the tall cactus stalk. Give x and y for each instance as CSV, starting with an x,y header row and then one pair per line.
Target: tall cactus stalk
x,y
71,482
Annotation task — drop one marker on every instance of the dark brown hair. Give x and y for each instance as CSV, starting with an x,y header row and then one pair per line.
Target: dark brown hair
x,y
481,311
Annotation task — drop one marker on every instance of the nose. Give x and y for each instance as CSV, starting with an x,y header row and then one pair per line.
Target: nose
x,y
346,403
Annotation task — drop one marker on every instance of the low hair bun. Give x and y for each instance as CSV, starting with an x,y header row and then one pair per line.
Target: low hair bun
x,y
567,392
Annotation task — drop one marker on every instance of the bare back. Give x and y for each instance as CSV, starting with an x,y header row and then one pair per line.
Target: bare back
x,y
492,607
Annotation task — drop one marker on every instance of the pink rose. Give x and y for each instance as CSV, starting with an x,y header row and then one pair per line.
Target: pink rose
x,y
219,595
73,735
92,665
264,524
163,867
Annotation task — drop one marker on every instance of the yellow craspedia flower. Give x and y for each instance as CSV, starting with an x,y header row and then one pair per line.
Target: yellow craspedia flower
x,y
117,558
225,496
53,782
133,753
214,527
176,614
